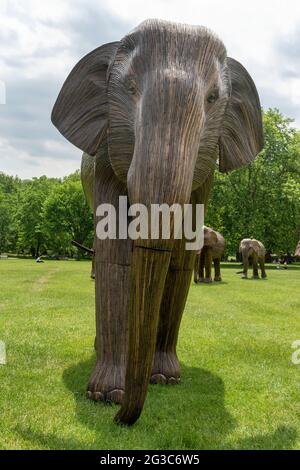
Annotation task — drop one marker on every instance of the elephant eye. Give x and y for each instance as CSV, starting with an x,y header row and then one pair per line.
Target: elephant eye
x,y
213,96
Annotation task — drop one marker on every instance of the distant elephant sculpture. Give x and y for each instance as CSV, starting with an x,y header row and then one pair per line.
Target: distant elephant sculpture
x,y
249,247
212,251
87,180
297,251
157,109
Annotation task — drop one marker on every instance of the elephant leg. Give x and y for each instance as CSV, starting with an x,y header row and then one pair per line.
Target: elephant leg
x,y
112,269
166,368
262,268
107,381
217,267
208,262
245,265
202,264
255,268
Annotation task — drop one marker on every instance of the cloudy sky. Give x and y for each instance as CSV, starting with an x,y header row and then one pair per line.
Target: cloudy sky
x,y
40,41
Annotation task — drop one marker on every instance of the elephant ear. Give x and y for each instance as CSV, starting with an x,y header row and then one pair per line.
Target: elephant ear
x,y
210,237
242,132
81,109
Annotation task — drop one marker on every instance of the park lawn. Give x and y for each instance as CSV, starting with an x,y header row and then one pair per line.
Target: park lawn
x,y
239,387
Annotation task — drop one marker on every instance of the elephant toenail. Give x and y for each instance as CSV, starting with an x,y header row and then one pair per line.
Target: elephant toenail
x,y
158,379
173,381
115,396
98,396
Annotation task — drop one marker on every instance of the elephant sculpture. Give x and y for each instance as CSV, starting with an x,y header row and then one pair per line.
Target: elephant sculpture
x,y
249,247
297,251
157,110
212,250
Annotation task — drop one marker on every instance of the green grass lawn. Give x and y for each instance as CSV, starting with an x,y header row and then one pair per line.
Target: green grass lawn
x,y
239,387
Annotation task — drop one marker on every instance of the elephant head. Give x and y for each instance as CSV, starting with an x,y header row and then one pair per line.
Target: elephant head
x,y
169,104
250,246
210,237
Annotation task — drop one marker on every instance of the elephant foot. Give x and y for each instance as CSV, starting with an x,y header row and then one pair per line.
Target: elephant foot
x,y
107,383
165,369
208,280
255,277
244,276
264,276
217,278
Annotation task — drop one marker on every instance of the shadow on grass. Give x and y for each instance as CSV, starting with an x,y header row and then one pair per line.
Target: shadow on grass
x,y
210,284
190,416
269,267
282,439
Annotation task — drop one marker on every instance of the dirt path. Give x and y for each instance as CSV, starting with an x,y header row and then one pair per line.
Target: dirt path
x,y
44,279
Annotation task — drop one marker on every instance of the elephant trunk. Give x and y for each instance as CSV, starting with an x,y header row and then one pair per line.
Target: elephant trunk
x,y
149,270
245,257
163,175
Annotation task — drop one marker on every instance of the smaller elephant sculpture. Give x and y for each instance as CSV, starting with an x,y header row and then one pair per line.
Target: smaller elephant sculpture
x,y
251,248
213,250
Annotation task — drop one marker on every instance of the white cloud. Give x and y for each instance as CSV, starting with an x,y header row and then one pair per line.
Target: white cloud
x,y
21,163
40,41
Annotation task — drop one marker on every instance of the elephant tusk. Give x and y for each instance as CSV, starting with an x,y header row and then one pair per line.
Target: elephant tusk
x,y
82,247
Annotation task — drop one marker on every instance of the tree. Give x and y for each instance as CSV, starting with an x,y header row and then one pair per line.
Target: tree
x,y
66,216
29,219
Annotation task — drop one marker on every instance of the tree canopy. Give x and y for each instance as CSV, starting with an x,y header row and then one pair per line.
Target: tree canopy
x,y
43,215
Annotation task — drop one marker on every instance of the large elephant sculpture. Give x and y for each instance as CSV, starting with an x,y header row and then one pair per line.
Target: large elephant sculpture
x,y
254,249
212,251
157,110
